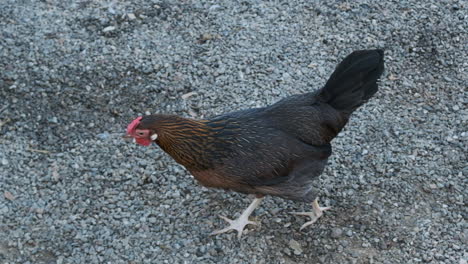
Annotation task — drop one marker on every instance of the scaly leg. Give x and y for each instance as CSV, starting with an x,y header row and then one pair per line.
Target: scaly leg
x,y
314,215
243,220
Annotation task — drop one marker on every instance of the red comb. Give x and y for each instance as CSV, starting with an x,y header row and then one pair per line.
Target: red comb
x,y
133,125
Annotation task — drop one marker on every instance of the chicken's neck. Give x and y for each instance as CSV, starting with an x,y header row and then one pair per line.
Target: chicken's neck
x,y
188,141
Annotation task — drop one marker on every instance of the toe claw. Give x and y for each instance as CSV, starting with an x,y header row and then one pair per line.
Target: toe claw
x,y
225,219
252,223
217,232
306,224
220,231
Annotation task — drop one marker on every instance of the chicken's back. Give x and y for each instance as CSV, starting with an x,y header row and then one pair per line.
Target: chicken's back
x,y
306,118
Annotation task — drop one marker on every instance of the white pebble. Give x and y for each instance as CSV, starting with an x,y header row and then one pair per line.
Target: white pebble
x,y
109,28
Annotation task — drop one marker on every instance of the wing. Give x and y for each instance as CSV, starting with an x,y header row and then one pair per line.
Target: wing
x,y
265,161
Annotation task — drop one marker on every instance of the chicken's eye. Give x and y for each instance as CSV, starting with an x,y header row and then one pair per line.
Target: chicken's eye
x,y
141,133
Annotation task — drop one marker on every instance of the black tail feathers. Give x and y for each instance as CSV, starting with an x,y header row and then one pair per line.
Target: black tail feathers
x,y
354,80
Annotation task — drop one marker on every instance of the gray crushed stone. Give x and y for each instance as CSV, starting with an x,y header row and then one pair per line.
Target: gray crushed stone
x,y
74,73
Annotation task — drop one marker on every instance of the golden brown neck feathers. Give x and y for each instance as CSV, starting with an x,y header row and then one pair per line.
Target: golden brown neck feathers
x,y
183,139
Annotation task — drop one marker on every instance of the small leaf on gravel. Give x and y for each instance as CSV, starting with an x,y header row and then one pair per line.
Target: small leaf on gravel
x,y
392,77
3,122
9,196
188,95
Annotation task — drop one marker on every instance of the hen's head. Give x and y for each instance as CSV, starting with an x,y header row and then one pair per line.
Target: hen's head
x,y
143,136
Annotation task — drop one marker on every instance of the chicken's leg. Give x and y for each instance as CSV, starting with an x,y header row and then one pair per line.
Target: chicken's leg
x,y
314,215
243,220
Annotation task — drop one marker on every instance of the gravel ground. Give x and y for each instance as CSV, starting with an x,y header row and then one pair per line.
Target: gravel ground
x,y
74,73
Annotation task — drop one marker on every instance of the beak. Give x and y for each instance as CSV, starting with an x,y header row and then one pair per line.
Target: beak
x,y
127,137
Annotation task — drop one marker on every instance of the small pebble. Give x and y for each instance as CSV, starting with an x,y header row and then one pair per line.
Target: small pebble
x,y
108,29
336,232
294,245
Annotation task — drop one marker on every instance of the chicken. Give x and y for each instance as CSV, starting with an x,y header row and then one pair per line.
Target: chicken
x,y
277,150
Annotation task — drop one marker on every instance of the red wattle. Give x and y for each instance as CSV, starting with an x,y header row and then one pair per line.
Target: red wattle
x,y
143,141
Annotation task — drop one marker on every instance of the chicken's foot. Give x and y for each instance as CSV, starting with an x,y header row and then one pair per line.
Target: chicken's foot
x,y
243,220
314,215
